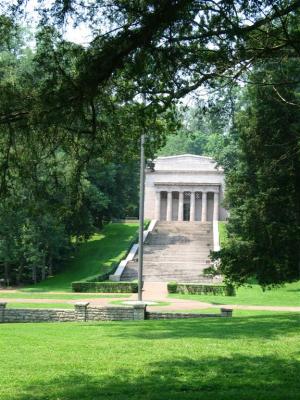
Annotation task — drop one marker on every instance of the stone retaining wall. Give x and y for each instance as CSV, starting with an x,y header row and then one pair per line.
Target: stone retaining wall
x,y
168,315
83,313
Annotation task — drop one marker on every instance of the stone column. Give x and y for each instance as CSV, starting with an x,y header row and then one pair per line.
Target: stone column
x,y
192,206
81,311
2,311
169,206
180,207
204,207
226,312
157,206
216,207
139,311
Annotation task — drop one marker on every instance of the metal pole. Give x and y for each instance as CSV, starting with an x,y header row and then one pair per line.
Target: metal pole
x,y
141,220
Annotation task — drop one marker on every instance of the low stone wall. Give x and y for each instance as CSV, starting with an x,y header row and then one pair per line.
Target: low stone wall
x,y
82,312
225,312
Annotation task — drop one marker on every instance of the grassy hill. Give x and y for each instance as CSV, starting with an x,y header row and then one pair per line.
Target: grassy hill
x,y
92,257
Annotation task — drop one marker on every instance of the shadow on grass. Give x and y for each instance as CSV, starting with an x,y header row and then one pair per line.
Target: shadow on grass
x,y
237,377
258,326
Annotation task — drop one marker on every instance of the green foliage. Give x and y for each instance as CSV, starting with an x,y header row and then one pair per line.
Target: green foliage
x,y
64,105
93,257
196,288
172,287
263,191
105,287
229,289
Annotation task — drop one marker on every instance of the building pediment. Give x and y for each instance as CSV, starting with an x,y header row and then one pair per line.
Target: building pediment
x,y
185,162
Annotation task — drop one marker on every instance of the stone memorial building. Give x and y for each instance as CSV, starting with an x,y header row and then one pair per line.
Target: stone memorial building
x,y
177,189
184,187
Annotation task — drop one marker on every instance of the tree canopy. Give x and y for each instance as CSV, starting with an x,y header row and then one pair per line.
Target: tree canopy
x,y
263,185
70,110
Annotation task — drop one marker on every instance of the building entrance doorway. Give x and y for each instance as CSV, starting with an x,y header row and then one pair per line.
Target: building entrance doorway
x,y
186,206
186,212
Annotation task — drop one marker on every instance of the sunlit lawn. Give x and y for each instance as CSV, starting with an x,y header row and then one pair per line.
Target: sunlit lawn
x,y
243,358
289,295
40,305
58,296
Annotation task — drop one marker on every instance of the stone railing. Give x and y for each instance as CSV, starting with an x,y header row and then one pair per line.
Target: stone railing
x,y
82,312
216,236
130,256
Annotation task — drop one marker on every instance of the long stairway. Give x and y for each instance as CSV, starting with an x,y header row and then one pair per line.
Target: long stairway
x,y
174,251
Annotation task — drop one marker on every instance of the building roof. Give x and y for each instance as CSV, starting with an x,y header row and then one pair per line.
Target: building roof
x,y
186,162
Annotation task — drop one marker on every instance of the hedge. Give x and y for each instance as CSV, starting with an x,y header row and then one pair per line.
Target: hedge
x,y
105,287
196,288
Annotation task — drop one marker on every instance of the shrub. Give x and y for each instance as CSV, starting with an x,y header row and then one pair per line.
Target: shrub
x,y
196,288
172,287
105,287
229,290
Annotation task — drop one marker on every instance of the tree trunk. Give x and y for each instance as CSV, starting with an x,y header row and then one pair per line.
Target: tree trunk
x,y
34,273
6,273
50,265
20,271
44,267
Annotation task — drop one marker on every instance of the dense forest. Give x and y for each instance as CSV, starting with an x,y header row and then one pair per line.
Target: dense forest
x,y
72,116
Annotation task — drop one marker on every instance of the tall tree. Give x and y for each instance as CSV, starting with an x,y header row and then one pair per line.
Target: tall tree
x,y
263,190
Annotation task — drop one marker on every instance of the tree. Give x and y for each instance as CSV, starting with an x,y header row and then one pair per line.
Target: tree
x,y
63,101
263,191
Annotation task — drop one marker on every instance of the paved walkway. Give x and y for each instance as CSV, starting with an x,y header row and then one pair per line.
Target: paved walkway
x,y
158,291
152,291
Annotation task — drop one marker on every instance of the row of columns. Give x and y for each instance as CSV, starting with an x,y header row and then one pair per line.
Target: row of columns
x,y
192,206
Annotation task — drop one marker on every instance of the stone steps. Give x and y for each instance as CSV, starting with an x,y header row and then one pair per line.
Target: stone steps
x,y
180,259
178,248
187,278
174,251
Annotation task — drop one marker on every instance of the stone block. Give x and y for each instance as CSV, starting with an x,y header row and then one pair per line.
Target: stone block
x,y
226,312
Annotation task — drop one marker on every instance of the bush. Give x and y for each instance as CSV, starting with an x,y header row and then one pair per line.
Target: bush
x,y
172,287
105,287
229,290
196,288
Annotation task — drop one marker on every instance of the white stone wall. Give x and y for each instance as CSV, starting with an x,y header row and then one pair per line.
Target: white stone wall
x,y
184,170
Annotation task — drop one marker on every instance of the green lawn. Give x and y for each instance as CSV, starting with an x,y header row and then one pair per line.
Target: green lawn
x,y
222,232
93,257
40,305
242,358
289,295
59,296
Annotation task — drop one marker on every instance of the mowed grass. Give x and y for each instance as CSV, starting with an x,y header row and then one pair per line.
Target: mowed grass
x,y
93,257
59,296
289,295
40,305
241,358
222,233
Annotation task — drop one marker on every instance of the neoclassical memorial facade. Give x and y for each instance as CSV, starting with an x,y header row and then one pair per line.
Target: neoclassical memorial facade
x,y
184,188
